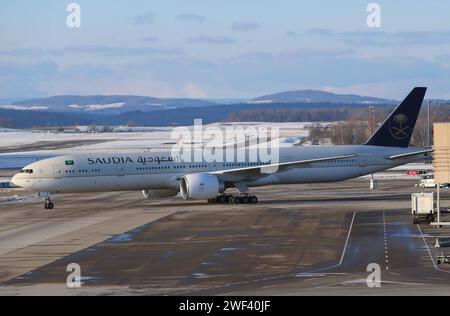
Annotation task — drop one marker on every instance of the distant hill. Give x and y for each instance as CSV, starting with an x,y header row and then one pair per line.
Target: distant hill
x,y
315,96
104,104
28,119
67,110
120,104
162,117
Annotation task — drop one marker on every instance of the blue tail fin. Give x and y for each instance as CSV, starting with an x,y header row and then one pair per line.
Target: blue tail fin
x,y
397,129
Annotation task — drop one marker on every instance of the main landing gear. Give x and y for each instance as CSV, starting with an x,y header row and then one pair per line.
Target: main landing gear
x,y
48,204
234,199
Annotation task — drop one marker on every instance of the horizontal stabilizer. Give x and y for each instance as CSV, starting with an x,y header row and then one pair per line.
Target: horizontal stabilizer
x,y
411,154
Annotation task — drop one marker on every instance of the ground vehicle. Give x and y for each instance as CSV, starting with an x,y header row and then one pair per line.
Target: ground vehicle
x,y
422,207
427,181
443,259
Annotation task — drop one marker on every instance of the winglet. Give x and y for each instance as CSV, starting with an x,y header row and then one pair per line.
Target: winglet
x,y
397,129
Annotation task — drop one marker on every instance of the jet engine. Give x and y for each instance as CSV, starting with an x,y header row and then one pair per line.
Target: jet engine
x,y
200,186
148,194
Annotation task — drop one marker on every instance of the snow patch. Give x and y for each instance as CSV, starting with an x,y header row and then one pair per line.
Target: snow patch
x,y
75,106
94,107
24,108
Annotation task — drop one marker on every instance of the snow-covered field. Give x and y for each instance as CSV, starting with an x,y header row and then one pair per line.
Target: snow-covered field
x,y
144,137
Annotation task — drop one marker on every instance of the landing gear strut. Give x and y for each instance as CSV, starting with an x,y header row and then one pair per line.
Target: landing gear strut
x,y
234,199
48,204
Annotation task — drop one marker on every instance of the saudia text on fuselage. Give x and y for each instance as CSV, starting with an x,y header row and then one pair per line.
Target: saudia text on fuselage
x,y
122,160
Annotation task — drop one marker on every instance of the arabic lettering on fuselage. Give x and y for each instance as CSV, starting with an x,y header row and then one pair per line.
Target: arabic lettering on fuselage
x,y
121,160
157,159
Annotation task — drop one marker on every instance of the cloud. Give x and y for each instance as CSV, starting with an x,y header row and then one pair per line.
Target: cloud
x,y
150,39
391,89
191,90
29,70
271,72
144,19
292,33
205,39
21,52
245,26
120,50
22,80
190,17
96,70
319,32
382,38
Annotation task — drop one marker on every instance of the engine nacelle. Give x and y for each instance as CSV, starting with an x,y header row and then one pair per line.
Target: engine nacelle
x,y
148,194
200,186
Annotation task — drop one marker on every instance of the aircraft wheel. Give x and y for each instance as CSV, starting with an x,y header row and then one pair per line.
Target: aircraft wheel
x,y
50,205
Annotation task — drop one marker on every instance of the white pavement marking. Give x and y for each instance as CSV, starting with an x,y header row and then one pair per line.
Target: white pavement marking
x,y
346,241
386,255
439,279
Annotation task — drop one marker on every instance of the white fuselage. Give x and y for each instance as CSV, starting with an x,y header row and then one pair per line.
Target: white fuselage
x,y
155,170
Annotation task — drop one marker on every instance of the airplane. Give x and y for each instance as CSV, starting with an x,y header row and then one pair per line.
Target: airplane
x,y
158,175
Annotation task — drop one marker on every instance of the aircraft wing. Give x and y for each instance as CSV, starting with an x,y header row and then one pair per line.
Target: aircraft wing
x,y
255,172
411,154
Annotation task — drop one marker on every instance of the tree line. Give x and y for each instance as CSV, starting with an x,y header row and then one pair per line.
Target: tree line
x,y
351,124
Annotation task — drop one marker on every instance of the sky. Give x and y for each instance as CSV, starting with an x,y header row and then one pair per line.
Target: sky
x,y
223,48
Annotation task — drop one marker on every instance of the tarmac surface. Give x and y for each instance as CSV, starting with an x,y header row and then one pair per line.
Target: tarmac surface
x,y
298,240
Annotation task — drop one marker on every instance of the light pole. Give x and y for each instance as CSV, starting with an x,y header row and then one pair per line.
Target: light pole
x,y
373,184
371,109
428,124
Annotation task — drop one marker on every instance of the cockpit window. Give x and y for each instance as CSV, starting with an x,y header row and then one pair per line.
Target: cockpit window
x,y
26,171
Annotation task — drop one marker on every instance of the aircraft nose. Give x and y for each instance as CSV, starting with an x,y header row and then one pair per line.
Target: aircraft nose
x,y
18,181
14,180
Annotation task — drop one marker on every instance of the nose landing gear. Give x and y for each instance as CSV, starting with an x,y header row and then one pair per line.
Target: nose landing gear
x,y
48,204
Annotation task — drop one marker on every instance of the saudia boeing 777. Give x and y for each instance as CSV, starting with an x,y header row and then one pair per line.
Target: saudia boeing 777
x,y
160,175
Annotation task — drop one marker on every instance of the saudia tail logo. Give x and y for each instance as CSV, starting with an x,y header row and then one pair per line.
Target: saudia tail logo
x,y
398,126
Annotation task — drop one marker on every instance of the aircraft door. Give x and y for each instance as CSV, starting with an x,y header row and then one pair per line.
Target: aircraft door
x,y
57,172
